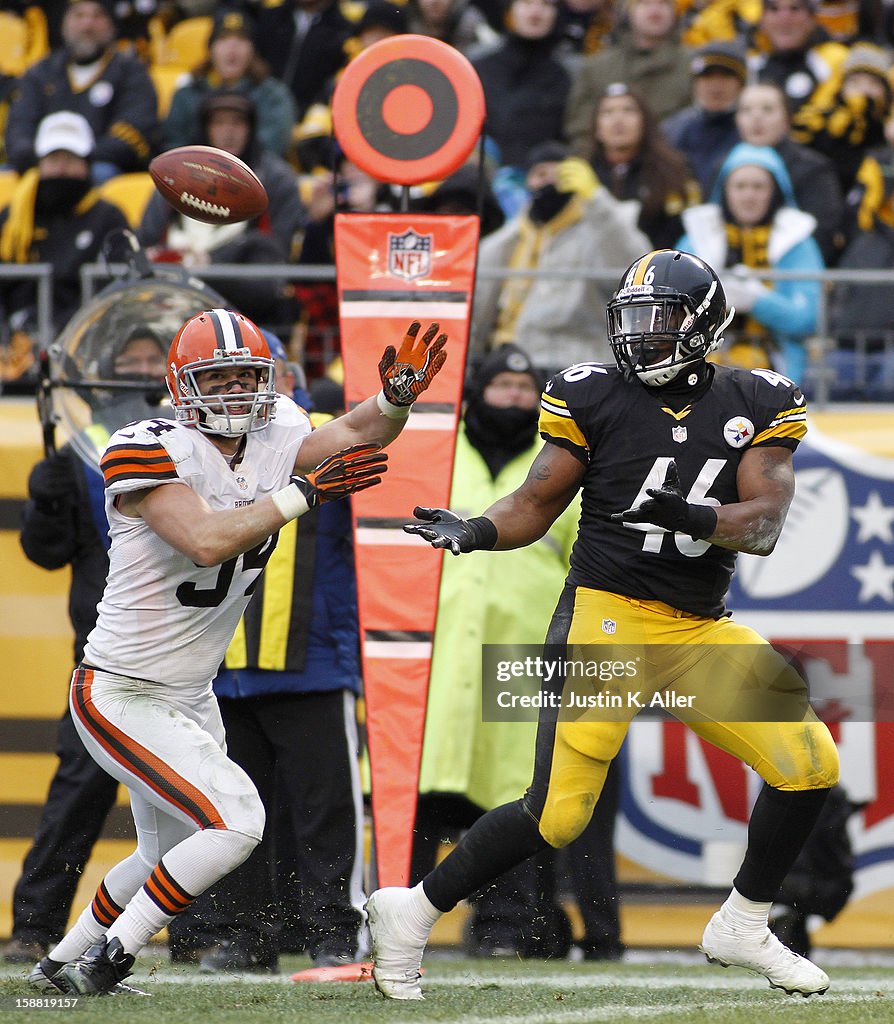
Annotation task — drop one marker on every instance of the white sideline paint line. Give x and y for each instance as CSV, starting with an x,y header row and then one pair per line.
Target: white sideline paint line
x,y
615,1012
738,982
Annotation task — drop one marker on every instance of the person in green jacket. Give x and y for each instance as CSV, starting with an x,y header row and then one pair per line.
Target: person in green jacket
x,y
469,765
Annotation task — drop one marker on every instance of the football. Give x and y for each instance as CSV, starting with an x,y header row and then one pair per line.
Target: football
x,y
208,184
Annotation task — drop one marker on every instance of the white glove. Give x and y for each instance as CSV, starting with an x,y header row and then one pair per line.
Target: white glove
x,y
741,288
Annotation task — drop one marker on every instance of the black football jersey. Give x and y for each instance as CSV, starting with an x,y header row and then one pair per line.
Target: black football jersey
x,y
626,436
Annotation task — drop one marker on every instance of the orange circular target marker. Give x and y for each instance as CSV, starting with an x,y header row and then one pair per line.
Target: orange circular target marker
x,y
408,109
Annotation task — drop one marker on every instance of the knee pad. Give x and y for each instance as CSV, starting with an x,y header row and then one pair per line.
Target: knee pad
x,y
248,817
231,848
233,795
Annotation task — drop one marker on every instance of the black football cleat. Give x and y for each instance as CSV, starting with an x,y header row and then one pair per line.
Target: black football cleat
x,y
99,971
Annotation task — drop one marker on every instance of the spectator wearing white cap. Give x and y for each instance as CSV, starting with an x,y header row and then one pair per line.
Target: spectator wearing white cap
x,y
54,216
110,89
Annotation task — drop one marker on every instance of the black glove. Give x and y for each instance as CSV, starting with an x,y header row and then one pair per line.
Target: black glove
x,y
52,484
449,531
666,507
346,472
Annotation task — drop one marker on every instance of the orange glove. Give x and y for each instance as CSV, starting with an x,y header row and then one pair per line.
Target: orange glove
x,y
406,373
346,472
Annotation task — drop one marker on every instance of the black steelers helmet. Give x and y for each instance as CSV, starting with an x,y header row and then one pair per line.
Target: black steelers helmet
x,y
668,312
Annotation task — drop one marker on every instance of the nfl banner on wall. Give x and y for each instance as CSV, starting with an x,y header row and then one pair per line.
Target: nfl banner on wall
x,y
393,269
825,595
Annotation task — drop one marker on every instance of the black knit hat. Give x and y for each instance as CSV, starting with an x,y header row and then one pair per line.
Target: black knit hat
x,y
545,153
228,22
503,359
379,14
720,55
228,99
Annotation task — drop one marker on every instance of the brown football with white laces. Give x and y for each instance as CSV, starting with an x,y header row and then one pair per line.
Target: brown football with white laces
x,y
208,184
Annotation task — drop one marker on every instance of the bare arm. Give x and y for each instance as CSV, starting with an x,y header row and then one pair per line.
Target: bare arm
x,y
183,519
766,485
364,422
529,511
514,521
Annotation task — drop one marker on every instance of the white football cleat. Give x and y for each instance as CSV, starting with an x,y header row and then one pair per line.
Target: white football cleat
x,y
761,953
396,955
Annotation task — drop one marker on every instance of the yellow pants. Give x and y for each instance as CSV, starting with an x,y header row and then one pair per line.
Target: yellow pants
x,y
713,667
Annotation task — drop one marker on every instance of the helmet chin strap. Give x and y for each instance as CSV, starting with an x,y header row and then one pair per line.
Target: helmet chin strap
x,y
651,378
228,426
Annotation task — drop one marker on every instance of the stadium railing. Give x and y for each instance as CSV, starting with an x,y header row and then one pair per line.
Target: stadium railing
x,y
862,342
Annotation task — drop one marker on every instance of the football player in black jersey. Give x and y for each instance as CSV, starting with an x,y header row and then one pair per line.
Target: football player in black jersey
x,y
681,464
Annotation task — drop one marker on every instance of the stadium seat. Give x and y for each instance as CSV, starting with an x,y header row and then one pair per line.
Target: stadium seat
x,y
130,193
13,44
165,78
8,182
157,35
23,40
186,44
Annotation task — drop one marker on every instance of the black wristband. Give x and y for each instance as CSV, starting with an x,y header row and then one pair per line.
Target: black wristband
x,y
484,533
701,521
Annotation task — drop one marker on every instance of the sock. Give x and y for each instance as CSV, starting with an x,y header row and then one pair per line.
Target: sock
x,y
143,920
422,913
123,880
184,872
779,826
496,842
744,913
150,910
86,932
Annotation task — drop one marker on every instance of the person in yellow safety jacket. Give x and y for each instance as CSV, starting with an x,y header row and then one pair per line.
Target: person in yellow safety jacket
x,y
470,765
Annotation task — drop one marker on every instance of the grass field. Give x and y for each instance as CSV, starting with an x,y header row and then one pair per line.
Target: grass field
x,y
484,992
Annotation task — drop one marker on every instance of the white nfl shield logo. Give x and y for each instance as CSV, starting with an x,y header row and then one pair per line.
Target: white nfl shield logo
x,y
679,434
409,254
609,626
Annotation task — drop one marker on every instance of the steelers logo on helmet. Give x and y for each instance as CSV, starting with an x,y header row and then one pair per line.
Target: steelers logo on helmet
x,y
669,312
221,376
408,109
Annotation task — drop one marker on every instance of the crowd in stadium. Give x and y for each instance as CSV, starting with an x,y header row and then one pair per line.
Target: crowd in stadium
x,y
642,102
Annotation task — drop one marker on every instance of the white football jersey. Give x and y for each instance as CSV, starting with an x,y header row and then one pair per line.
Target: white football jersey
x,y
162,617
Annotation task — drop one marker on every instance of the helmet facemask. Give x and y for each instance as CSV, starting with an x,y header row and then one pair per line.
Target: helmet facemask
x,y
656,335
226,414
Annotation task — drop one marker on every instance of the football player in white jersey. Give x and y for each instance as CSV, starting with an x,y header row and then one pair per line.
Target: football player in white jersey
x,y
194,508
